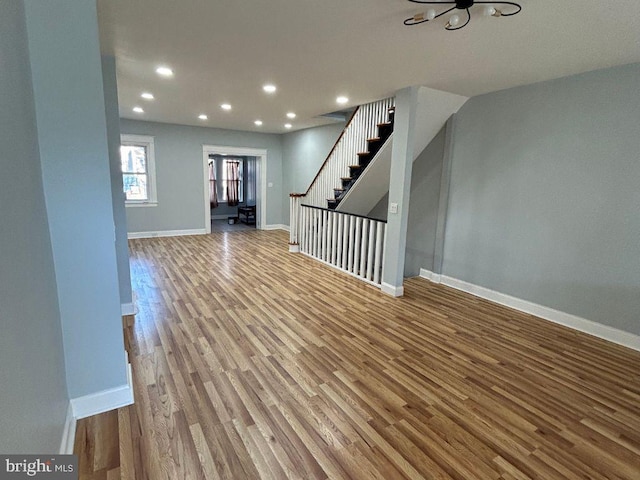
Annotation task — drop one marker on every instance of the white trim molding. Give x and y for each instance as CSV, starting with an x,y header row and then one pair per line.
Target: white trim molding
x,y
574,322
166,233
276,226
392,289
129,309
69,433
429,275
261,178
146,141
105,400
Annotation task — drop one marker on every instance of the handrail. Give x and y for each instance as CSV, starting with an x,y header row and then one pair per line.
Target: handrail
x,y
345,213
362,126
332,150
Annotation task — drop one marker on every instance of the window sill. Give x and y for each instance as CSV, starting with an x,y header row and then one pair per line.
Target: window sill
x,y
140,204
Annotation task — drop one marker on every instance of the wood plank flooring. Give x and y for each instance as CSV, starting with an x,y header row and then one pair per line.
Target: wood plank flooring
x,y
253,363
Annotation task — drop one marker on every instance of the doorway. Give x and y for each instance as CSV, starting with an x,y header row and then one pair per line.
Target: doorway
x,y
260,156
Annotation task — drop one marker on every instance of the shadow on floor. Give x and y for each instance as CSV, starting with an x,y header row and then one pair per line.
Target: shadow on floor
x,y
223,226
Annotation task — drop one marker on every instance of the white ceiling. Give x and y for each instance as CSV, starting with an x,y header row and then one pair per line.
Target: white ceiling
x,y
225,50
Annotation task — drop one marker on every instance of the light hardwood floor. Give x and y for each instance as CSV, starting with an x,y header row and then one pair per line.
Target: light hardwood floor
x,y
250,362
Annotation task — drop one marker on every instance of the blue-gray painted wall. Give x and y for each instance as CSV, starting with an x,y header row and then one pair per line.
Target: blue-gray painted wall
x,y
423,207
304,152
72,135
179,173
117,192
33,390
545,195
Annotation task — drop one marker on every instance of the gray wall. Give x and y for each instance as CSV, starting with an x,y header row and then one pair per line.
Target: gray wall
x,y
303,153
545,195
179,174
72,134
423,207
33,392
117,192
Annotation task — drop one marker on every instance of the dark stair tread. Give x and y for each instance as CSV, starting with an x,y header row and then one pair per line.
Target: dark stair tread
x,y
345,178
355,166
383,124
362,154
374,139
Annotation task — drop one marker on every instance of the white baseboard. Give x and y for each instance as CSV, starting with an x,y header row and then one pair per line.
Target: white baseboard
x,y
294,248
392,290
129,309
104,401
69,433
277,226
432,277
596,329
166,233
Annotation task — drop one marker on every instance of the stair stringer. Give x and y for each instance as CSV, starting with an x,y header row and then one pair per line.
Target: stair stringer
x,y
375,179
434,109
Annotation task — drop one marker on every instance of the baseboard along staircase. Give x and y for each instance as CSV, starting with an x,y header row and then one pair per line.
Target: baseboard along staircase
x,y
352,243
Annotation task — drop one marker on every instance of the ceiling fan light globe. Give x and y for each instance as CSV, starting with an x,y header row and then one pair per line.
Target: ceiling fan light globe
x,y
490,11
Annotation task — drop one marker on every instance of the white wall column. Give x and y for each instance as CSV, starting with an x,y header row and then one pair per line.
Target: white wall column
x,y
399,190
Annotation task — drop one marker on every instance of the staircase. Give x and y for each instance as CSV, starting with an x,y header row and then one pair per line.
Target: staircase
x,y
330,221
384,131
351,243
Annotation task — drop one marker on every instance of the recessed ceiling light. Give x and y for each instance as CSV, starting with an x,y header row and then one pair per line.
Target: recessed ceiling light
x,y
147,96
258,122
291,115
164,71
287,125
342,100
138,109
269,88
202,116
225,106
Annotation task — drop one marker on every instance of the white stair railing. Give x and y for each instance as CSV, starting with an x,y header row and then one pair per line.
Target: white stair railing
x,y
361,127
351,243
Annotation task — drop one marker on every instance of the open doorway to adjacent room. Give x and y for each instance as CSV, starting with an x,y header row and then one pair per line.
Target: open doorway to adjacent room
x,y
235,188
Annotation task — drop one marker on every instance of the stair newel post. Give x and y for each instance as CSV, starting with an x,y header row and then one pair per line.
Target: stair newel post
x,y
303,228
294,220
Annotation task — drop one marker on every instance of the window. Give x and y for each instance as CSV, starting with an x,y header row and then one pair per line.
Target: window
x,y
138,170
232,177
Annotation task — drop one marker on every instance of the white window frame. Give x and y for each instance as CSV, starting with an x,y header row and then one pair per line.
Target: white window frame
x,y
147,142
